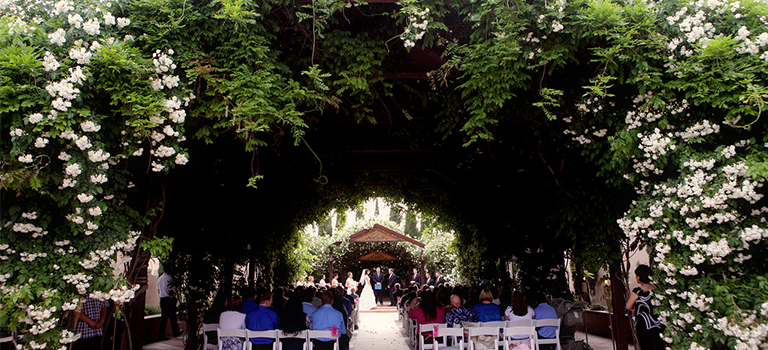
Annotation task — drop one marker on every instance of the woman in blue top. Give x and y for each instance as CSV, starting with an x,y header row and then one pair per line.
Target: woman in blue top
x,y
486,310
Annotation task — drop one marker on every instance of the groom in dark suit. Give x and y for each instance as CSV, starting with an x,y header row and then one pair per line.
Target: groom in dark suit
x,y
378,286
392,282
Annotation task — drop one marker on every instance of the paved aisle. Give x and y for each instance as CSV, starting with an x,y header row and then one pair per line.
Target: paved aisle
x,y
379,331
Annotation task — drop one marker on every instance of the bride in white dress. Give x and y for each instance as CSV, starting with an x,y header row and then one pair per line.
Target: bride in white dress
x,y
367,299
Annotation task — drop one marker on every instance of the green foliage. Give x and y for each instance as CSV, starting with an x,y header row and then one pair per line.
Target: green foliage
x,y
159,247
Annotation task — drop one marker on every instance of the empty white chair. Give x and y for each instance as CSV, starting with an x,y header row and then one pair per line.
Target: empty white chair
x,y
499,324
240,333
262,334
441,339
281,335
483,337
549,323
209,327
427,328
517,335
317,335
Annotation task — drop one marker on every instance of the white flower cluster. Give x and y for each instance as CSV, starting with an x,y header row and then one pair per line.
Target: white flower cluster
x,y
750,335
68,336
119,295
417,27
40,318
80,281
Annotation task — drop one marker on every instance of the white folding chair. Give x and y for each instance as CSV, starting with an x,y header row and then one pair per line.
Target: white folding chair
x,y
474,332
262,334
318,335
209,327
521,323
411,331
549,323
499,324
240,333
281,335
516,335
456,335
427,328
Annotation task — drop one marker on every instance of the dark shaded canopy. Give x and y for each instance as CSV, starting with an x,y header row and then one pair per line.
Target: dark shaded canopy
x,y
525,193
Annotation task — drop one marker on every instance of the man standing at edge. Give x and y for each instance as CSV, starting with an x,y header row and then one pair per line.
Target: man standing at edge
x,y
167,304
392,282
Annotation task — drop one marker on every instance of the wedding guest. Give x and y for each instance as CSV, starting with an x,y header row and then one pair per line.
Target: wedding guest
x,y
430,280
471,297
167,305
439,280
429,310
293,320
459,313
647,325
232,319
347,300
306,296
350,284
262,319
393,287
249,304
90,324
322,281
328,318
519,310
335,280
415,278
486,310
505,298
278,299
542,311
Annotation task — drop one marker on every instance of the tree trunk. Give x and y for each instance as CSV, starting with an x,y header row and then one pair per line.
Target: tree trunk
x,y
620,321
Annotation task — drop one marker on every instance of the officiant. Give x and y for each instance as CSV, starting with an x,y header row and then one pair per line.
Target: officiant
x,y
378,286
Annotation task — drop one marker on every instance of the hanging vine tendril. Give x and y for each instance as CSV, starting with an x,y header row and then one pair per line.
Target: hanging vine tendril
x,y
321,179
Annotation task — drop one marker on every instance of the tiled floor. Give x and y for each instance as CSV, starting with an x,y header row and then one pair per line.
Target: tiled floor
x,y
380,329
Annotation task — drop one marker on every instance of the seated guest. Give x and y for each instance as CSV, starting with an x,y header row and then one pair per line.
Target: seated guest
x,y
232,319
459,313
345,299
249,304
505,298
542,311
262,319
429,310
293,320
316,298
471,297
328,318
306,300
486,310
519,310
278,299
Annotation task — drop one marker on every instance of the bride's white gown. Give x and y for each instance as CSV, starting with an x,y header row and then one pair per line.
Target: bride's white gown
x,y
367,299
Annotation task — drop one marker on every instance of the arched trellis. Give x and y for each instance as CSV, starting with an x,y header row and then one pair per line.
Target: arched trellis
x,y
382,234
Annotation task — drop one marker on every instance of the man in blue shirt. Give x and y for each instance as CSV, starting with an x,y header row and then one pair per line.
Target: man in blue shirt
x,y
249,304
543,311
328,318
262,319
306,300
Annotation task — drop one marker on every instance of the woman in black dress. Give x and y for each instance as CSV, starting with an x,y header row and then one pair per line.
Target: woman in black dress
x,y
647,325
292,321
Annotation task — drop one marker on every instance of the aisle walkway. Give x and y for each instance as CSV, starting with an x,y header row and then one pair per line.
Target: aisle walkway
x,y
379,330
